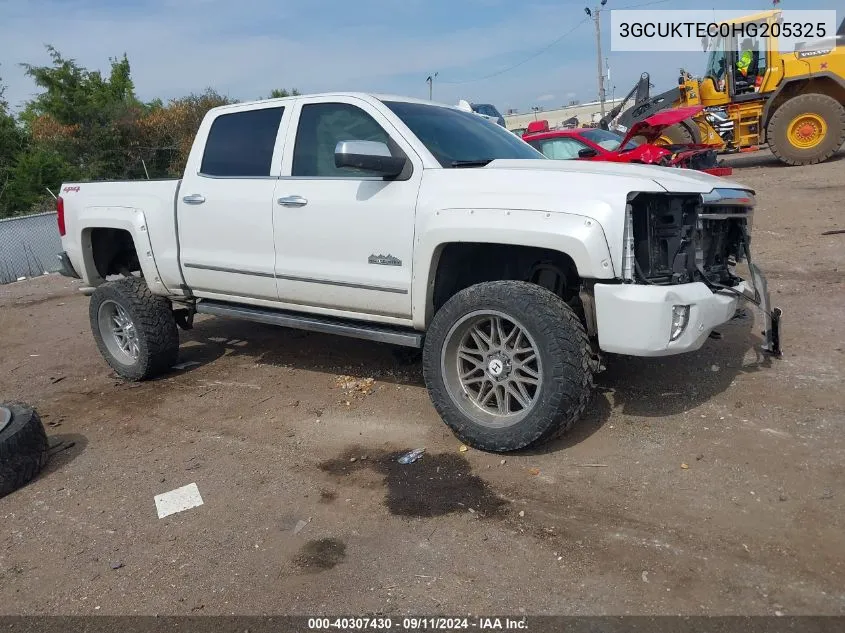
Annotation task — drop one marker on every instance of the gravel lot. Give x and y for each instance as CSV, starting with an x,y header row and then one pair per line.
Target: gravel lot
x,y
711,483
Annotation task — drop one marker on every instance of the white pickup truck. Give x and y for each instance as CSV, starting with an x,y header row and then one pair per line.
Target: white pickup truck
x,y
421,225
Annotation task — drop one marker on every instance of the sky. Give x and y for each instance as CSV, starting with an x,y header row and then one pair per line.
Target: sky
x,y
246,48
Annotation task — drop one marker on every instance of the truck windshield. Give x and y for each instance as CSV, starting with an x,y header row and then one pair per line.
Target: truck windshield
x,y
460,139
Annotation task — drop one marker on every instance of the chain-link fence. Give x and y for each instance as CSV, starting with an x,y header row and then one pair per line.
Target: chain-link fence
x,y
29,246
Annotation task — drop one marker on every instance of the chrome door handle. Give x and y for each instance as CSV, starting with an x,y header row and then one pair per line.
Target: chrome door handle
x,y
293,201
194,198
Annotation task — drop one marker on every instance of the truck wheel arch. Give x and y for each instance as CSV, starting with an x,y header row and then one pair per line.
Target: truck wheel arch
x,y
104,232
458,265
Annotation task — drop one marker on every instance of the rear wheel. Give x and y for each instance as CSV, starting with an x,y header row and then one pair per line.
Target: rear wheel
x,y
135,330
807,129
507,365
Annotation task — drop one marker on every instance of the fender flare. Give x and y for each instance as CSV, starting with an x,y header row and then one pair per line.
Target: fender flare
x,y
580,237
134,222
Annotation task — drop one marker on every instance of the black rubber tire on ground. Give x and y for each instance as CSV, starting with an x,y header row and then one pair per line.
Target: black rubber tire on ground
x,y
152,316
564,352
23,448
777,132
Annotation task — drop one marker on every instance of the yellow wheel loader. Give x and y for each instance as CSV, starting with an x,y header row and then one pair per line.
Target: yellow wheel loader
x,y
794,102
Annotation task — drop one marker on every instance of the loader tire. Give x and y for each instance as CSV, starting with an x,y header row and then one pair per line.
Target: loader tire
x,y
806,129
523,343
683,133
23,447
134,329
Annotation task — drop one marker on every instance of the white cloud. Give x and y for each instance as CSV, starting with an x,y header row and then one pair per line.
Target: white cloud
x,y
544,98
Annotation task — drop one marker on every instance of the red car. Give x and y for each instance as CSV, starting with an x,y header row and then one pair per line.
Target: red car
x,y
606,145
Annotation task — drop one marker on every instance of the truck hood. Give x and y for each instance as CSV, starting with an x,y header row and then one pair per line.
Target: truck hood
x,y
670,179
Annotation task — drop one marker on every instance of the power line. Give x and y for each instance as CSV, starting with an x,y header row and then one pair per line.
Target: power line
x,y
544,49
524,61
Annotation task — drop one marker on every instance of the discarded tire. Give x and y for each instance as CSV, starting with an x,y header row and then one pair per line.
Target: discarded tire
x,y
23,447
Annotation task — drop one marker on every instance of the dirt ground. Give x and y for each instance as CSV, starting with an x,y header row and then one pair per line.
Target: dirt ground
x,y
711,483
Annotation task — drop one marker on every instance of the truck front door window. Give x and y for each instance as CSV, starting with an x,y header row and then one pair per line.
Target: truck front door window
x,y
321,127
241,144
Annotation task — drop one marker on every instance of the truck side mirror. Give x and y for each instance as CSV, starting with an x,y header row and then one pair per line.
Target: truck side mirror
x,y
371,156
587,152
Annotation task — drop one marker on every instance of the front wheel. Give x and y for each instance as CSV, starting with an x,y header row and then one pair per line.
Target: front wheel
x,y
807,129
134,329
507,365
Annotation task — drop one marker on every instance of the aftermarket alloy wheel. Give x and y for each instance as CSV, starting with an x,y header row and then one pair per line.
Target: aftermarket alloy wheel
x,y
134,329
507,365
23,446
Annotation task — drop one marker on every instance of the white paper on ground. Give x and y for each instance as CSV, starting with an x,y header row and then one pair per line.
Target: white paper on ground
x,y
178,500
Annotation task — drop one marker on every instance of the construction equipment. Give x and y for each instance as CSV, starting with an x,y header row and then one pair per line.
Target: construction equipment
x,y
794,102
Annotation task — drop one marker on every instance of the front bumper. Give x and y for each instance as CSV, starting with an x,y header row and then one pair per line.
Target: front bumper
x,y
67,268
636,319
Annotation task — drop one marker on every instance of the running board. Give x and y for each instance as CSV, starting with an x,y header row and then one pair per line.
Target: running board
x,y
324,325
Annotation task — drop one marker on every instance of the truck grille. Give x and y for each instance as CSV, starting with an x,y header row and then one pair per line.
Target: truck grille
x,y
684,238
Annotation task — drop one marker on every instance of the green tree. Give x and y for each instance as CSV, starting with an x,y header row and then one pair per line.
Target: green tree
x,y
86,118
13,142
168,131
276,93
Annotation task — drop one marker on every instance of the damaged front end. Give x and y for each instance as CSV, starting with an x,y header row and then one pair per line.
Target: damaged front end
x,y
673,239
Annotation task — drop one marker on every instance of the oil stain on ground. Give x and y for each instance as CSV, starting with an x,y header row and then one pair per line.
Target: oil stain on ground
x,y
435,485
320,555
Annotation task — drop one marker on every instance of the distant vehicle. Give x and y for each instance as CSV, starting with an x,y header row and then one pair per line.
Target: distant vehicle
x,y
487,110
596,144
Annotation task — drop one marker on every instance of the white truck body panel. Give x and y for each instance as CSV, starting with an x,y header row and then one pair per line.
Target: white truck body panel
x,y
367,248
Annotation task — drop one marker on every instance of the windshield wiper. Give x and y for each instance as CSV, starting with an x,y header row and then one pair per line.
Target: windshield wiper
x,y
472,163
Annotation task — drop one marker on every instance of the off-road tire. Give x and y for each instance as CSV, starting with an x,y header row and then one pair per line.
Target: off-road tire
x,y
777,133
152,316
23,448
564,351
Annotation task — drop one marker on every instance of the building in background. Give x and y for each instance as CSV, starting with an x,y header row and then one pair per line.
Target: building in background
x,y
584,112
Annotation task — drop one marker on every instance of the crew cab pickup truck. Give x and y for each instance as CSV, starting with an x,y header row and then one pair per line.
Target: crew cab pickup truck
x,y
416,224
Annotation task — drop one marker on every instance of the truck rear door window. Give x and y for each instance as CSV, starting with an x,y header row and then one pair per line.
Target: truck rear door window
x,y
241,144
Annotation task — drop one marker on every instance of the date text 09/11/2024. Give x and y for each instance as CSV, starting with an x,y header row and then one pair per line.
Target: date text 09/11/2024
x,y
416,624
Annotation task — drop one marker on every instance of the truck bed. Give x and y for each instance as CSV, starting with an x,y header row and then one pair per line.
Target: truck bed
x,y
146,205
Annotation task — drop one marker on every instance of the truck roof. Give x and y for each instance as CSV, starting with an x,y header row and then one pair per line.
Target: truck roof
x,y
360,95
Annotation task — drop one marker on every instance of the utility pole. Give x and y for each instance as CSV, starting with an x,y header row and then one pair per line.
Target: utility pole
x,y
596,15
430,81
